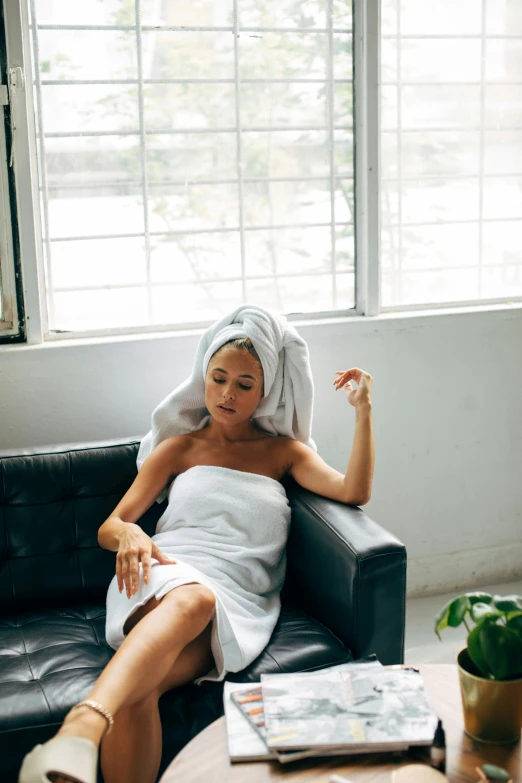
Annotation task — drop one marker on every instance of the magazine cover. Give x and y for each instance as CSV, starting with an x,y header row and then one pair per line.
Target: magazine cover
x,y
249,703
244,742
359,706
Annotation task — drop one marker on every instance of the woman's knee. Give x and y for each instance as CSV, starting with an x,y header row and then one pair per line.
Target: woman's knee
x,y
194,600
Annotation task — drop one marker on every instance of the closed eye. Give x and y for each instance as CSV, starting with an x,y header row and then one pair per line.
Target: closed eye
x,y
222,381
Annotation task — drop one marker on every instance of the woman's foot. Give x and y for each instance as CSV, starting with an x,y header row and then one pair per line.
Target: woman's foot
x,y
81,722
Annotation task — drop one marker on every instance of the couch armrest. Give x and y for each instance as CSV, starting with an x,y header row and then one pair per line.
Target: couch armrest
x,y
348,572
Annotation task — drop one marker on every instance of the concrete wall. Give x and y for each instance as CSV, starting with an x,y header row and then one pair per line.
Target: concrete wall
x,y
447,415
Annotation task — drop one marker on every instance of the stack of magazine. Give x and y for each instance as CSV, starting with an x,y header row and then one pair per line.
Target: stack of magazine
x,y
346,709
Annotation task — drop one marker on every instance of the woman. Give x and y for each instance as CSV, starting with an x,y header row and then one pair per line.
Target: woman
x,y
172,640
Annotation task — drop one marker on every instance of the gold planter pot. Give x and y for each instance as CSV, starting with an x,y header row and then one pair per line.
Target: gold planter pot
x,y
492,708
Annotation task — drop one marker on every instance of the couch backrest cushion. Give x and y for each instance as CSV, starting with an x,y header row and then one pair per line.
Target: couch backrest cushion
x,y
53,501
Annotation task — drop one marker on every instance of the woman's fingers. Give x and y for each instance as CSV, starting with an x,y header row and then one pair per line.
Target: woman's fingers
x,y
128,566
125,570
119,576
145,561
134,581
354,372
129,573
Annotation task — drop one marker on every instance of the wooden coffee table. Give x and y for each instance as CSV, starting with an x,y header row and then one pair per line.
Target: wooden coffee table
x,y
205,758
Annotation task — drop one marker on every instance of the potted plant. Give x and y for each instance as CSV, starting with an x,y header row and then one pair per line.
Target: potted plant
x,y
490,667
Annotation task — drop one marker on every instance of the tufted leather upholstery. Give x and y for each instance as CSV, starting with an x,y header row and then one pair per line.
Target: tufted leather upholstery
x,y
344,595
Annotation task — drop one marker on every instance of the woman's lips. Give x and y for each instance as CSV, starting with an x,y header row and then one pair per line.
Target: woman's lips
x,y
225,410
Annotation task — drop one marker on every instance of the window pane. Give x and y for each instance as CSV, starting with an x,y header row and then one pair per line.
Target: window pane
x,y
144,160
343,102
188,13
93,12
283,13
191,156
342,14
91,160
192,257
345,248
279,105
502,242
68,54
93,262
89,108
189,106
503,17
277,203
79,310
442,18
503,106
451,169
435,106
188,55
286,251
196,207
187,303
285,154
503,197
441,60
93,214
283,56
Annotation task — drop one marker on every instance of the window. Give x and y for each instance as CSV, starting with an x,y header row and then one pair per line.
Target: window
x,y
451,133
193,155
315,156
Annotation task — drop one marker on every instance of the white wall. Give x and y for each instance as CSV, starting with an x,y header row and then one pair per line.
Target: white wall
x,y
446,406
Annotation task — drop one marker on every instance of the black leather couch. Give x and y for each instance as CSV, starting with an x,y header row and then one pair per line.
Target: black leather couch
x,y
344,595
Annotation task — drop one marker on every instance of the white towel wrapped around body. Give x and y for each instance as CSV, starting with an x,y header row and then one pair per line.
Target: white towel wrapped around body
x,y
228,530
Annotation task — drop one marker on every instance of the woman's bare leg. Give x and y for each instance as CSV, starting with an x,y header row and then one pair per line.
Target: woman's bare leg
x,y
131,753
144,660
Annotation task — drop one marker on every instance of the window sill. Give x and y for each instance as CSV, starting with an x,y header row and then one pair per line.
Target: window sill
x,y
393,318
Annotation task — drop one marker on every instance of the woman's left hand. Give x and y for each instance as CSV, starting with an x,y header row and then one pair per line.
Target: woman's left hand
x,y
364,380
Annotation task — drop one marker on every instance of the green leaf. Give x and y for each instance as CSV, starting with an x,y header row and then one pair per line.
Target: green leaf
x,y
480,611
508,603
502,650
515,623
476,654
451,614
483,598
457,610
441,619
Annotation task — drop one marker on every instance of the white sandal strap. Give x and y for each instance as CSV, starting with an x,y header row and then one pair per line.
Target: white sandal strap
x,y
73,757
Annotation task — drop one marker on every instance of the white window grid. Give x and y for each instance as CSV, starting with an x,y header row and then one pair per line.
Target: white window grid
x,y
366,26
366,50
400,132
143,132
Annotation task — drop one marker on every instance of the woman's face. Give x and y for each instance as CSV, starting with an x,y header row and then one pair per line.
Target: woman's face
x,y
234,379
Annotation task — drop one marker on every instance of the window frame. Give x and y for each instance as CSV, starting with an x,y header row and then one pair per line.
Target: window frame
x,y
12,321
367,234
365,21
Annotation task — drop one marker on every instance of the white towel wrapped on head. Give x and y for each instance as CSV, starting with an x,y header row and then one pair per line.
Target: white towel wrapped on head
x,y
228,530
287,406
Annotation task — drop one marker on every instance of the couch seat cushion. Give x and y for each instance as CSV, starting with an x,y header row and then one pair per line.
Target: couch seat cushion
x,y
298,644
51,658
